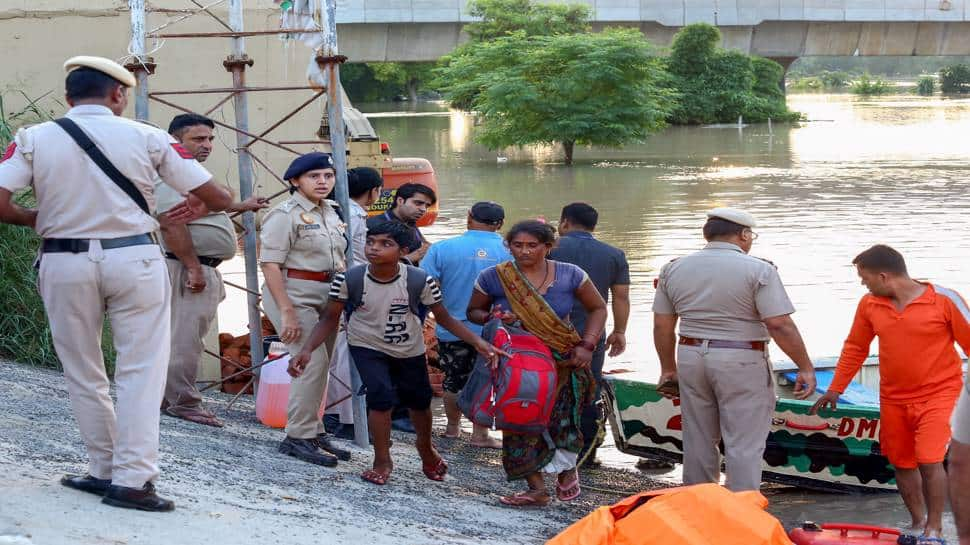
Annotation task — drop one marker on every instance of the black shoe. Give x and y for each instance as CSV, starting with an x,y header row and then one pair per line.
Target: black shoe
x,y
307,450
323,441
86,483
403,424
143,499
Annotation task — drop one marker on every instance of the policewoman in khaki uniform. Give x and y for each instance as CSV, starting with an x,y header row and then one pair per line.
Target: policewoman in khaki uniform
x,y
730,304
99,255
302,247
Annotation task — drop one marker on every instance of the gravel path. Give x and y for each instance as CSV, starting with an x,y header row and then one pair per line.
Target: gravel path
x,y
231,486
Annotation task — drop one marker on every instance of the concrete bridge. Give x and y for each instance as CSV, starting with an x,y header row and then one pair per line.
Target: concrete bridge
x,y
420,30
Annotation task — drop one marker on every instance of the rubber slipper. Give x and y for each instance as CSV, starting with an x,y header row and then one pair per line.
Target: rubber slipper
x,y
376,477
436,471
569,490
928,540
524,499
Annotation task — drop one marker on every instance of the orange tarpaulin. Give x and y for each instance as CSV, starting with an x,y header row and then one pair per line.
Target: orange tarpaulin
x,y
704,514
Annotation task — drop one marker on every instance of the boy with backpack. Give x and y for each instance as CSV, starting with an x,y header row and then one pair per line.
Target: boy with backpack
x,y
385,303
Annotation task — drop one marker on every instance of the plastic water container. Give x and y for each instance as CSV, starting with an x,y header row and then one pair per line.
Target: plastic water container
x,y
273,393
274,388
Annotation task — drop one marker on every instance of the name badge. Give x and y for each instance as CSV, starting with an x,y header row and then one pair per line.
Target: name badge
x,y
308,227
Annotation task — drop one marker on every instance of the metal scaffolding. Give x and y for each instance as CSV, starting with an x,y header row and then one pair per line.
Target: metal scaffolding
x,y
329,60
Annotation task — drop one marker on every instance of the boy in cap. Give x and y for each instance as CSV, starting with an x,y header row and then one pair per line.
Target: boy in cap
x,y
456,263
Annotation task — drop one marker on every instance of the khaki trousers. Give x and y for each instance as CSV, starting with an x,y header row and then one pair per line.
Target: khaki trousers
x,y
130,284
192,316
306,391
725,394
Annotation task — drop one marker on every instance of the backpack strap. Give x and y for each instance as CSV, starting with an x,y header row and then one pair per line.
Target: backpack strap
x,y
112,172
417,280
354,279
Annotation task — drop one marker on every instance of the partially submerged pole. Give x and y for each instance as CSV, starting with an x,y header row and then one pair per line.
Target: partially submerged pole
x,y
329,61
236,63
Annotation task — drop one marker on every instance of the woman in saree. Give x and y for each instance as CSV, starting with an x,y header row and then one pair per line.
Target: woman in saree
x,y
537,293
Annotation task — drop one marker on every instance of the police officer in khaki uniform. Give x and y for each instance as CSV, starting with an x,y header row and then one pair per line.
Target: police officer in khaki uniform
x,y
193,252
730,304
302,247
98,255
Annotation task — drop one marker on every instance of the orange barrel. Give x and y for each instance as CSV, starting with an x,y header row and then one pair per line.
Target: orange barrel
x,y
405,170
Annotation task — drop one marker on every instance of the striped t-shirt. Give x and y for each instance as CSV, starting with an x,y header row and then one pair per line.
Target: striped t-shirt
x,y
384,320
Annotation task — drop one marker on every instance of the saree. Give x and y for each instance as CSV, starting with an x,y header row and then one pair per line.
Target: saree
x,y
523,454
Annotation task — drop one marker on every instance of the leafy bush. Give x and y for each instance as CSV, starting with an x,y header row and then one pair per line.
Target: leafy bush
x,y
955,78
809,83
868,84
834,80
926,85
716,85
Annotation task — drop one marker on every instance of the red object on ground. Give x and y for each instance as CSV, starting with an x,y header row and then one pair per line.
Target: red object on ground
x,y
839,533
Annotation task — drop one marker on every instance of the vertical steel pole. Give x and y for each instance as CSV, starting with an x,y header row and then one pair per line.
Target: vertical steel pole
x,y
140,61
327,60
237,63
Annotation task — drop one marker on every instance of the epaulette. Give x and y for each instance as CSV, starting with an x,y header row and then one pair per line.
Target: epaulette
x,y
286,205
766,261
332,203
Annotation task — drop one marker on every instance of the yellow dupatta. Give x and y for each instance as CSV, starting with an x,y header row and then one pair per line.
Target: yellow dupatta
x,y
535,313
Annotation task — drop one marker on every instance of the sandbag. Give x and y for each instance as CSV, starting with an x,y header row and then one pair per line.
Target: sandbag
x,y
704,514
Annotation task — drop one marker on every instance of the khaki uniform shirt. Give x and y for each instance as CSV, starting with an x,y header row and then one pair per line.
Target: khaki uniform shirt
x,y
298,234
212,235
75,199
722,293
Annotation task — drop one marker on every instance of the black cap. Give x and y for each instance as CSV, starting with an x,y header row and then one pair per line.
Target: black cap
x,y
306,163
488,212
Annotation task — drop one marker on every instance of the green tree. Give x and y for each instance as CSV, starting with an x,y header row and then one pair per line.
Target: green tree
x,y
407,75
604,89
718,85
500,18
503,18
955,78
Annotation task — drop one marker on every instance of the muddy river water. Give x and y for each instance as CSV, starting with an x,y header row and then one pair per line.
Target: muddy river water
x,y
861,171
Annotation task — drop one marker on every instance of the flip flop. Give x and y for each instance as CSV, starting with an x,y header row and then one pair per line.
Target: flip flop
x,y
927,540
196,415
376,477
569,490
436,471
524,499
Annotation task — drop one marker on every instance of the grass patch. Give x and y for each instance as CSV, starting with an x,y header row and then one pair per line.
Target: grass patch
x,y
24,334
868,85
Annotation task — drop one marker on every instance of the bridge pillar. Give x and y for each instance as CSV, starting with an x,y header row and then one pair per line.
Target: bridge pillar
x,y
785,63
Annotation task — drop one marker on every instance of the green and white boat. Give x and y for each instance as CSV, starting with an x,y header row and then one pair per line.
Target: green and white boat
x,y
833,450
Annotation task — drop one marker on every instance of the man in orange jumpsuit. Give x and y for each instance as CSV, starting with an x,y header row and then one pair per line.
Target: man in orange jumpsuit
x,y
919,371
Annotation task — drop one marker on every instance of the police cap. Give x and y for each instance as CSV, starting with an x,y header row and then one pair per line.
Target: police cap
x,y
307,162
733,215
103,65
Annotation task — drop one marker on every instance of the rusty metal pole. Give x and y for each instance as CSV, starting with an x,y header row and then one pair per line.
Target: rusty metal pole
x,y
236,63
140,65
329,61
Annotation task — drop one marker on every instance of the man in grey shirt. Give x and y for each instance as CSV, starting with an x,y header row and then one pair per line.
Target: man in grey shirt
x,y
610,273
731,304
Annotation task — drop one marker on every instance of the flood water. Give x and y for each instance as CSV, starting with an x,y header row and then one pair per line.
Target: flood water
x,y
890,170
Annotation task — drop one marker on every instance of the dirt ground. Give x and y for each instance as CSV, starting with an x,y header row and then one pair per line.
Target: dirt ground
x,y
231,486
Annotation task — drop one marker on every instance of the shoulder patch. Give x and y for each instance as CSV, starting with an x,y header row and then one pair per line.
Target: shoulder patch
x,y
9,153
183,153
286,206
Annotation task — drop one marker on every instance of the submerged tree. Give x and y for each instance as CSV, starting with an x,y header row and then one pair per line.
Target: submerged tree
x,y
604,89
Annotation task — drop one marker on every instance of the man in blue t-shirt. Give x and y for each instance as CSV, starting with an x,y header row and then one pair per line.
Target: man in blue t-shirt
x,y
455,263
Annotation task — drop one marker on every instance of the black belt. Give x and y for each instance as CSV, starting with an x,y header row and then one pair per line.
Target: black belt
x,y
78,245
207,261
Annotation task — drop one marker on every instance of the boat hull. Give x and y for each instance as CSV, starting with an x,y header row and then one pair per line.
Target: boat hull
x,y
834,450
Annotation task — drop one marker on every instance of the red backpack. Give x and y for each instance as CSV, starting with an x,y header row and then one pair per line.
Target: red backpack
x,y
519,395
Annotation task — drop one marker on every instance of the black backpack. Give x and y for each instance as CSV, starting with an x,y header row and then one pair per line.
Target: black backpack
x,y
416,280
